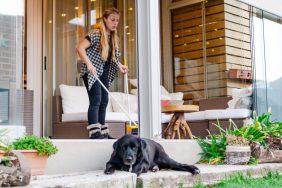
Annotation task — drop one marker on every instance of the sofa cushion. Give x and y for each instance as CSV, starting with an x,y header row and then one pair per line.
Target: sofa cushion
x,y
82,116
165,118
243,92
75,99
227,113
243,102
195,116
110,117
122,100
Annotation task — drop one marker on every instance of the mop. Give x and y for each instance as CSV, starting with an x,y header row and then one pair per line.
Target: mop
x,y
125,112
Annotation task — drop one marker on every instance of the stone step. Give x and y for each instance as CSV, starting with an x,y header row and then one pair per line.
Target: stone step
x,y
90,155
210,174
94,179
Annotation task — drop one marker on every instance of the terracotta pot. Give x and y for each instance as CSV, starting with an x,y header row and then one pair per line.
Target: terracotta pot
x,y
36,162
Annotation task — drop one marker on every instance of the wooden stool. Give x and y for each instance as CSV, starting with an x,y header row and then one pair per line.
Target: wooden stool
x,y
178,125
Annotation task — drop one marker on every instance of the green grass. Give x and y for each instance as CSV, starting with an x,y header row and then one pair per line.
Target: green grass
x,y
272,180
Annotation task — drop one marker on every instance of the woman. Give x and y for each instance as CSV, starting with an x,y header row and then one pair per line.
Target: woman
x,y
99,52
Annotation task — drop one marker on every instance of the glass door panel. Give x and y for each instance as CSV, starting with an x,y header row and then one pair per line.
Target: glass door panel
x,y
66,22
12,21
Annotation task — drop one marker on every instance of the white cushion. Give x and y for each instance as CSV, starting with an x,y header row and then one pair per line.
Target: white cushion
x,y
243,102
74,99
166,117
195,116
110,117
244,92
178,96
134,91
227,113
82,116
120,117
122,100
133,82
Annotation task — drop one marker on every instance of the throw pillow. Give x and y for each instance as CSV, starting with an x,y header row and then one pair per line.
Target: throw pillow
x,y
74,99
133,82
122,100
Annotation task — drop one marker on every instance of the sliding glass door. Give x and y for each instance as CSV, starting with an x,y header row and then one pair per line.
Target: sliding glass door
x,y
66,22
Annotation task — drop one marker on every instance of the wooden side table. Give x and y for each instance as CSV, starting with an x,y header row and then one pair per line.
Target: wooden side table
x,y
178,125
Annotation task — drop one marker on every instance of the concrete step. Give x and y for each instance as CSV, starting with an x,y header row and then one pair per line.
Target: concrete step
x,y
94,179
210,174
90,155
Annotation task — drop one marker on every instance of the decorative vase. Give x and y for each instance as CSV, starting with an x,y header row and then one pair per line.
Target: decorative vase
x,y
237,155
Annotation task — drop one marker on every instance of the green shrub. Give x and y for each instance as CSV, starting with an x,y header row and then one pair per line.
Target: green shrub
x,y
213,149
43,145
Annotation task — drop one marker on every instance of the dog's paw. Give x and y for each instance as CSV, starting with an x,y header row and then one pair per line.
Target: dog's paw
x,y
155,168
109,171
195,170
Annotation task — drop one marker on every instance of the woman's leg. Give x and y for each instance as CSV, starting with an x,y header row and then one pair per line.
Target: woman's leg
x,y
104,102
103,106
95,97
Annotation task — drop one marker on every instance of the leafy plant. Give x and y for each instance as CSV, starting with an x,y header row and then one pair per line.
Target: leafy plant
x,y
213,149
4,141
43,145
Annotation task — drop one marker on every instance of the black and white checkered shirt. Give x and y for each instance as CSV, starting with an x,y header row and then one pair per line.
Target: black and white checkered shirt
x,y
94,55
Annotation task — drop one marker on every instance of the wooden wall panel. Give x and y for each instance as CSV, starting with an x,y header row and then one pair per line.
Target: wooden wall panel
x,y
227,45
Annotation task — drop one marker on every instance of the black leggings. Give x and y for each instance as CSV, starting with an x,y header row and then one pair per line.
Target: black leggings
x,y
98,99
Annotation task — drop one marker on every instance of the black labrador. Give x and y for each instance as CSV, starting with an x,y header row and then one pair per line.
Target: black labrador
x,y
138,155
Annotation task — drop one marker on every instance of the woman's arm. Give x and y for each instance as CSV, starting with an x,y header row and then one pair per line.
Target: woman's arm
x,y
81,50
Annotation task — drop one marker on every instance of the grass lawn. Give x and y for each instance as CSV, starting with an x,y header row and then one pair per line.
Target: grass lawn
x,y
272,180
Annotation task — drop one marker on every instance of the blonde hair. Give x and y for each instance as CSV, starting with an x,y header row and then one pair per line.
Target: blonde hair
x,y
104,38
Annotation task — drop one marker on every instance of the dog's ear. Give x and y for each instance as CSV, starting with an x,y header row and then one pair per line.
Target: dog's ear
x,y
142,152
115,147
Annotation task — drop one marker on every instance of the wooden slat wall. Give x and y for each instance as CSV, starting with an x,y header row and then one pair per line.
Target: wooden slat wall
x,y
227,47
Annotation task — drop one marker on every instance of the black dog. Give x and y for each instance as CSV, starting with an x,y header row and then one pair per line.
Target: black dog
x,y
138,155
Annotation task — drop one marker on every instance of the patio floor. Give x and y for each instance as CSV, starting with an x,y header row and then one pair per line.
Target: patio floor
x,y
210,174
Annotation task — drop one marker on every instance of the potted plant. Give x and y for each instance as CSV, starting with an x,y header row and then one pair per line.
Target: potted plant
x,y
237,151
36,150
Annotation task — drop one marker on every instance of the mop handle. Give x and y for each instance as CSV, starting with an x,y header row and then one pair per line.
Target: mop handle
x,y
127,93
115,100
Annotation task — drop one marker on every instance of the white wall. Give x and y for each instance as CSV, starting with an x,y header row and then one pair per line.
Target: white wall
x,y
273,6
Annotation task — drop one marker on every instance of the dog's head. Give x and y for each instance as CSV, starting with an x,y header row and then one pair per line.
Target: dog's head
x,y
129,148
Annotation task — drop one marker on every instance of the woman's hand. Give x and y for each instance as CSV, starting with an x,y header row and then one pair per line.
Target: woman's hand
x,y
123,68
91,69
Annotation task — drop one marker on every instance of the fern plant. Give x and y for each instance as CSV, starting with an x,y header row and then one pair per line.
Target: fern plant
x,y
213,149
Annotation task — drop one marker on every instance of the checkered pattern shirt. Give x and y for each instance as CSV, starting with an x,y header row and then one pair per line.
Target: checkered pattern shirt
x,y
94,55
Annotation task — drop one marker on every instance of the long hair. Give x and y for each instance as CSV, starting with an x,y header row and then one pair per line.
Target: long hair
x,y
104,38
